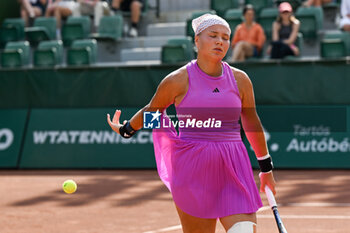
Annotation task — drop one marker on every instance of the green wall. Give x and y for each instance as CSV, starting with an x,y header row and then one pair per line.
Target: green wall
x,y
296,82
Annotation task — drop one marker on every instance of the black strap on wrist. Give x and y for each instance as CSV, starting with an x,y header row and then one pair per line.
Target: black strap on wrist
x,y
266,165
126,131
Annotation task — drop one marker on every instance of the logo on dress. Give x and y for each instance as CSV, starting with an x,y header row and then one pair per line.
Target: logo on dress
x,y
151,120
216,90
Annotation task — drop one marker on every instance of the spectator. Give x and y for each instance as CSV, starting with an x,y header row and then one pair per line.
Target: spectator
x,y
93,7
284,33
31,9
345,14
61,9
135,7
317,3
249,37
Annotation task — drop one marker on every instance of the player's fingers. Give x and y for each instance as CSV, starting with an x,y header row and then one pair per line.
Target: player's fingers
x,y
109,119
116,116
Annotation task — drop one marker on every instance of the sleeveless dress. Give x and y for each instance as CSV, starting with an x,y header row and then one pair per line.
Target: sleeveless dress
x,y
207,169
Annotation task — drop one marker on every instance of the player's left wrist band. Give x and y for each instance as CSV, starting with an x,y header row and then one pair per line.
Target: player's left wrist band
x,y
126,131
265,163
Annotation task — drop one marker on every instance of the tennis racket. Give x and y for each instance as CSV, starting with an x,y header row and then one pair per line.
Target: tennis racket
x,y
273,205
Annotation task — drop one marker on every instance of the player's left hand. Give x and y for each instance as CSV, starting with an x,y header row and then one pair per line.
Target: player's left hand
x,y
269,180
114,124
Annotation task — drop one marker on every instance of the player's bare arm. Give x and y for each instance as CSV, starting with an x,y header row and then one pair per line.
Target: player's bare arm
x,y
170,90
252,125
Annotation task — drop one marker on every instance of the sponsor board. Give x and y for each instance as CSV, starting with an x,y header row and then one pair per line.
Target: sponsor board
x,y
307,136
12,123
82,138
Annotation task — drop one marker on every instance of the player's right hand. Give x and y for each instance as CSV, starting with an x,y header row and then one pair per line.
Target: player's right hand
x,y
114,124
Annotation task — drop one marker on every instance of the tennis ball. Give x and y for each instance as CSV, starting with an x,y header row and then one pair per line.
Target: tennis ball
x,y
69,186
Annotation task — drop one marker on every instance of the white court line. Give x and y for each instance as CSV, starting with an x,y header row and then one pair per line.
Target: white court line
x,y
307,216
177,227
265,216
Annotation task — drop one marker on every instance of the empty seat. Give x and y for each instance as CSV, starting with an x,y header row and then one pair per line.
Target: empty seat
x,y
82,52
266,18
18,23
48,53
335,44
221,6
311,21
189,30
11,30
15,54
111,27
177,50
76,28
43,29
233,17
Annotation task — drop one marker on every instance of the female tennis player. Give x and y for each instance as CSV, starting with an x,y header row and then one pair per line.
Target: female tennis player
x,y
207,169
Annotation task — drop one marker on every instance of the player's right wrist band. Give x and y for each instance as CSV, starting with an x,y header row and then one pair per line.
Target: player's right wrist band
x,y
265,163
126,131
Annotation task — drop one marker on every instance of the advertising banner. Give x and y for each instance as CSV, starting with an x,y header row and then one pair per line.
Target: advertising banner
x,y
306,136
82,138
12,123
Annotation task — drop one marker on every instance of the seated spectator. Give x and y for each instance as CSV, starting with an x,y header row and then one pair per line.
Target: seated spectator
x,y
61,9
135,7
284,33
93,7
31,9
249,37
345,14
317,3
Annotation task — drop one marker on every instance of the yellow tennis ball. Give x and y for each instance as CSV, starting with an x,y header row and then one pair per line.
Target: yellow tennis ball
x,y
69,186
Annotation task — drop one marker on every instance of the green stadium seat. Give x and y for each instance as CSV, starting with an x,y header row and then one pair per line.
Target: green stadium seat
x,y
234,17
173,54
266,18
82,52
335,44
43,29
258,4
76,28
18,23
189,30
7,34
178,50
15,54
221,6
49,53
311,21
111,27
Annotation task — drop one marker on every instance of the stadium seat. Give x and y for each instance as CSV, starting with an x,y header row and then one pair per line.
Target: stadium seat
x,y
15,54
49,53
189,30
234,17
259,4
311,19
221,6
82,52
43,29
111,27
177,50
76,28
266,18
11,30
335,44
18,23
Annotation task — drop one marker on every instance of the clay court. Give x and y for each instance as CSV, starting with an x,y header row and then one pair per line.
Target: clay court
x,y
136,201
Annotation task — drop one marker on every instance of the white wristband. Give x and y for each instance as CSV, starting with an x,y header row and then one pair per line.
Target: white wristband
x,y
264,157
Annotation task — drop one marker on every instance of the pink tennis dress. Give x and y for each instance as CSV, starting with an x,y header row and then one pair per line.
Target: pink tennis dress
x,y
206,166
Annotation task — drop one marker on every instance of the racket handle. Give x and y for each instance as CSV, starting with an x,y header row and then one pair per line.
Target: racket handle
x,y
270,197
